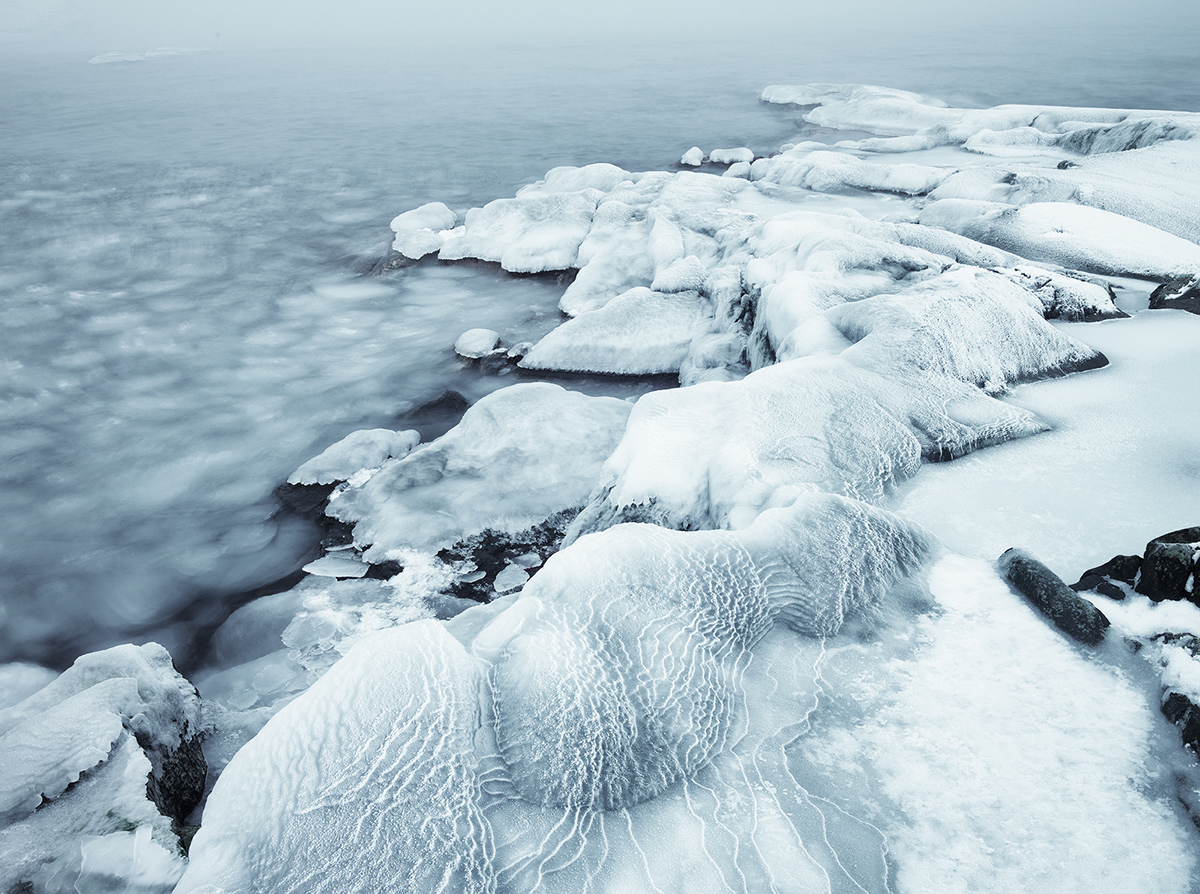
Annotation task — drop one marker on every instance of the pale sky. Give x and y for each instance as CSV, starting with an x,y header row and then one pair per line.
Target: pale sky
x,y
138,25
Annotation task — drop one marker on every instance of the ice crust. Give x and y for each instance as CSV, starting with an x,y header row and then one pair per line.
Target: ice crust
x,y
510,730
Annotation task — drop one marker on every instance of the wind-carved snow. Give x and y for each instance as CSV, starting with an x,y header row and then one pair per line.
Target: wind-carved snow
x,y
433,763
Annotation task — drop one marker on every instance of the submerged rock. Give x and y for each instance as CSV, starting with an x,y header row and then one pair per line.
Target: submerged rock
x,y
1069,612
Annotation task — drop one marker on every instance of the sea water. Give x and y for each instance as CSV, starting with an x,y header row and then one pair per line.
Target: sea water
x,y
186,310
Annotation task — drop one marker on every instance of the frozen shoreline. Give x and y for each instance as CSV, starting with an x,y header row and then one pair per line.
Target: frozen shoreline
x,y
840,332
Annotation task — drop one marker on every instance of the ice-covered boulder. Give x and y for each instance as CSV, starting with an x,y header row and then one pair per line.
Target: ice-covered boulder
x,y
823,171
1064,297
731,156
693,157
528,234
366,449
476,343
110,745
518,455
640,332
967,324
421,232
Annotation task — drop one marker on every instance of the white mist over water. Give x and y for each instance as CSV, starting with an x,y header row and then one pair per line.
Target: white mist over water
x,y
184,317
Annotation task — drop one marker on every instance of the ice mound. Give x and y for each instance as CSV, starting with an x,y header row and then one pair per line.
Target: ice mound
x,y
640,332
367,449
476,343
365,783
1070,235
526,235
717,454
824,171
971,325
420,232
110,745
532,713
519,455
731,156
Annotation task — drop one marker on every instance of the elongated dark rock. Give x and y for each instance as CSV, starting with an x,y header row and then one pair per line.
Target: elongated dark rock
x,y
1071,613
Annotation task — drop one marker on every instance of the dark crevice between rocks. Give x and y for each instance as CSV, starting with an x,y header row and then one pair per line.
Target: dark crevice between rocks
x,y
489,552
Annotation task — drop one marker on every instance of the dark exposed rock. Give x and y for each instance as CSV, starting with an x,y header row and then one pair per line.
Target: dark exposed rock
x,y
1170,566
1070,612
1122,568
384,570
490,551
437,416
1185,714
1111,590
176,780
1087,582
304,500
1183,535
1182,293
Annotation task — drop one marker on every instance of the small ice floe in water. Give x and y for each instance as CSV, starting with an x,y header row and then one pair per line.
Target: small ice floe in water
x,y
476,343
335,565
694,157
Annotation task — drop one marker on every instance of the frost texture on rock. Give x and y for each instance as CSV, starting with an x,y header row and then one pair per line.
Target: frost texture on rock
x,y
519,455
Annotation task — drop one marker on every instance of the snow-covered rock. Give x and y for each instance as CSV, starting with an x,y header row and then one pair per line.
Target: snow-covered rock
x,y
421,232
693,157
519,455
640,332
109,746
731,156
1070,235
476,343
367,449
